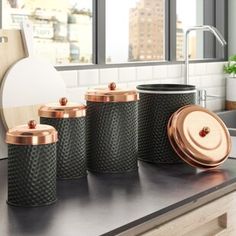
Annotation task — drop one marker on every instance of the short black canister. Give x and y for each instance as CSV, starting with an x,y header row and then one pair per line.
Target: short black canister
x,y
157,103
31,165
112,122
69,120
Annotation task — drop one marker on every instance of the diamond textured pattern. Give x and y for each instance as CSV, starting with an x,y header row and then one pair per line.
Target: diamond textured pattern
x,y
112,139
154,113
31,174
71,146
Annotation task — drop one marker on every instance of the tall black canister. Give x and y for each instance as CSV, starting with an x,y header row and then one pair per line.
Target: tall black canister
x,y
157,103
112,123
69,120
31,165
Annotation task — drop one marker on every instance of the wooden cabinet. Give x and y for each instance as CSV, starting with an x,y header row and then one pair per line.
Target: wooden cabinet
x,y
216,218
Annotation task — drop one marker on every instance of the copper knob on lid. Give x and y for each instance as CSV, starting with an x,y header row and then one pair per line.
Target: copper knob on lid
x,y
32,124
112,86
204,131
63,101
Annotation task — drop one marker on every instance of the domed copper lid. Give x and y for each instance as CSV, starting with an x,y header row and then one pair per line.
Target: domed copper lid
x,y
63,109
111,94
199,137
31,134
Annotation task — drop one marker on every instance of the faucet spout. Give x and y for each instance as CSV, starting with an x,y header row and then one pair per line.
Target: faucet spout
x,y
208,28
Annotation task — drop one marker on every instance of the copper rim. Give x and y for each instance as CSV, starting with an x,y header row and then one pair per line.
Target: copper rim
x,y
111,94
184,150
63,109
32,134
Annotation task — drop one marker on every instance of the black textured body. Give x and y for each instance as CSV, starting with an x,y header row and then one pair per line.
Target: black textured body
x,y
31,175
71,146
154,113
112,138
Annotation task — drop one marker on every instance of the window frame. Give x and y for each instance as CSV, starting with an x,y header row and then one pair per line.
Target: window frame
x,y
213,15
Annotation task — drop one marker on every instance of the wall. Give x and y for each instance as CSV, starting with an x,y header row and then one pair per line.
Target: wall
x,y
204,75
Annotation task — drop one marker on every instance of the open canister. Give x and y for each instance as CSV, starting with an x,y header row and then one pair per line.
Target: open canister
x,y
112,122
69,120
31,165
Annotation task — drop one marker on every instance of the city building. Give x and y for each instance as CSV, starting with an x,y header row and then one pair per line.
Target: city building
x,y
146,31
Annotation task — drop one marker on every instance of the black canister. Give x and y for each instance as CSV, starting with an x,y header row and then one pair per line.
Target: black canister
x,y
112,122
156,105
69,120
31,165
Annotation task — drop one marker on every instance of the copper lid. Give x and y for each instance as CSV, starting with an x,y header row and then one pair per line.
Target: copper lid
x,y
31,134
111,94
199,137
63,109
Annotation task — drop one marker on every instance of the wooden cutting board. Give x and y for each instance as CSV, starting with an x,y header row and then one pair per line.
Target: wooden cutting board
x,y
27,85
11,50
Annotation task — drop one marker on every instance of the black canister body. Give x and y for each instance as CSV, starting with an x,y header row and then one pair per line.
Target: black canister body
x,y
31,175
156,105
71,146
69,120
31,165
112,139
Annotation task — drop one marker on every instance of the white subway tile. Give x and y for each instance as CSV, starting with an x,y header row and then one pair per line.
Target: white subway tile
x,y
218,91
76,94
215,104
196,80
70,78
172,81
127,74
199,68
133,85
154,81
108,75
174,71
144,73
212,81
88,77
159,72
214,68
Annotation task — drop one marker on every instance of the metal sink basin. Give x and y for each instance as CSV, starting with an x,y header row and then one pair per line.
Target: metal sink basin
x,y
229,118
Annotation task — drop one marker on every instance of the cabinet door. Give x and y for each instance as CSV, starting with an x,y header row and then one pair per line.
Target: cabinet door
x,y
217,218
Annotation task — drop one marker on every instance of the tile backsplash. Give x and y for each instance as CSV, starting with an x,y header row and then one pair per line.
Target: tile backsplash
x,y
204,75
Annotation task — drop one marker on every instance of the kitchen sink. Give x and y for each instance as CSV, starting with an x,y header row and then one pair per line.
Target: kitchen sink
x,y
229,118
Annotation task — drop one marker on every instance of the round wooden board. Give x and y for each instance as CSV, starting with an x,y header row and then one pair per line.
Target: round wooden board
x,y
26,86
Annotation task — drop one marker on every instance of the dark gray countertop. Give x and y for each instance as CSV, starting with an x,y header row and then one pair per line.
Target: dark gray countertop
x,y
110,204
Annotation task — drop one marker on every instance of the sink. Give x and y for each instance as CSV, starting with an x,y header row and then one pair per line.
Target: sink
x,y
229,118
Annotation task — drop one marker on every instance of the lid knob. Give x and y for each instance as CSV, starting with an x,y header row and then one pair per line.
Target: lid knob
x,y
204,131
112,86
32,124
63,101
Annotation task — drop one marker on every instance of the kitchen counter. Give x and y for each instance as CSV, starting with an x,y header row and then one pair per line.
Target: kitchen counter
x,y
112,204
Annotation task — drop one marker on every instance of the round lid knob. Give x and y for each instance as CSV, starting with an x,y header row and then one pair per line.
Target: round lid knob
x,y
112,86
63,101
31,134
32,124
199,137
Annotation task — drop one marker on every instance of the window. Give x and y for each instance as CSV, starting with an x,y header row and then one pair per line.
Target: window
x,y
62,29
123,40
88,32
